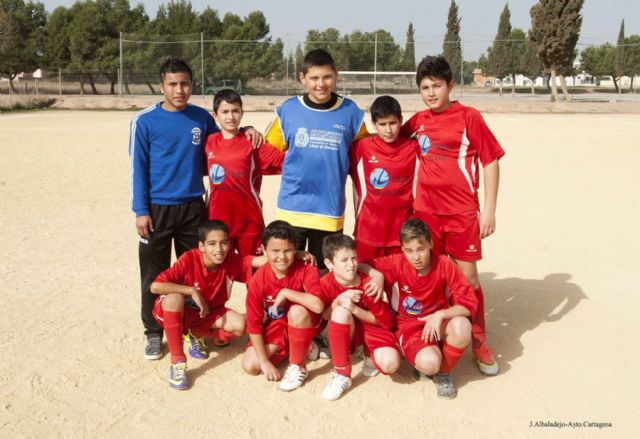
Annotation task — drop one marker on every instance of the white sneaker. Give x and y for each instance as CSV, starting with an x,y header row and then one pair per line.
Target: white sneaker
x,y
293,378
369,368
336,387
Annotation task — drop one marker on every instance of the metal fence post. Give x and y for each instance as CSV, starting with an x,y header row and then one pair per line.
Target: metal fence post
x,y
202,61
461,69
375,63
120,85
60,81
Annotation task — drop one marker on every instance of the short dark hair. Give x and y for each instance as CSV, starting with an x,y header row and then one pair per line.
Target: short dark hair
x,y
334,242
227,95
413,228
175,65
279,229
385,106
318,58
210,225
434,67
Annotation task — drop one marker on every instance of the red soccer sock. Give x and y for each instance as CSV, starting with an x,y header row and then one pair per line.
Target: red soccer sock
x,y
173,328
299,342
478,330
450,356
221,334
339,341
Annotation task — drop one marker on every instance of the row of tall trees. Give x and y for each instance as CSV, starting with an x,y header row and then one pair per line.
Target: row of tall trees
x,y
85,38
360,51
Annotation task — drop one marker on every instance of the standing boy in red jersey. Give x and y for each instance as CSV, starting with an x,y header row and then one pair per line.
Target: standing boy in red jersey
x,y
193,293
382,169
355,318
432,300
283,308
233,166
453,139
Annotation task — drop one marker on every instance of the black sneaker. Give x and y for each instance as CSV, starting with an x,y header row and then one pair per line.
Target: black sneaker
x,y
444,386
153,350
324,351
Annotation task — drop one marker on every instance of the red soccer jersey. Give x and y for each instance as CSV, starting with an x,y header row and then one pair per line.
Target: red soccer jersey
x,y
265,286
451,143
215,286
383,176
331,289
413,295
235,169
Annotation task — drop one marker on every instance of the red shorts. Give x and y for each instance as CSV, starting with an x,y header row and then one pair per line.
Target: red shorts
x,y
410,340
455,235
246,245
366,251
276,332
373,337
191,317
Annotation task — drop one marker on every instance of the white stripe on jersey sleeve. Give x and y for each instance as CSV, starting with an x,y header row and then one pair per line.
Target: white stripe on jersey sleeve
x,y
363,185
132,141
395,297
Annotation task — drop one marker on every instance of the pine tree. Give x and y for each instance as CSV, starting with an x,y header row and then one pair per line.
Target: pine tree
x,y
530,66
451,48
409,55
555,29
620,57
500,56
517,38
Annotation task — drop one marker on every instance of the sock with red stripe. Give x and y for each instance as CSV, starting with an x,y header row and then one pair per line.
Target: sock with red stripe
x,y
450,356
173,328
339,341
299,342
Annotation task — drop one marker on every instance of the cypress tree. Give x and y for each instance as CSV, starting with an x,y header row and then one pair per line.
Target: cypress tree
x,y
531,67
500,56
451,49
555,29
409,56
620,57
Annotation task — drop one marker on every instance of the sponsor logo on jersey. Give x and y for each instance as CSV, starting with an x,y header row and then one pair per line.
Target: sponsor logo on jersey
x,y
405,289
216,174
472,249
340,127
379,178
197,136
275,314
302,137
373,159
211,155
411,306
425,143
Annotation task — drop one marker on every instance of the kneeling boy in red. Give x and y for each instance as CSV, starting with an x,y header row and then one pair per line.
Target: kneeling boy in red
x,y
235,168
432,333
454,140
382,169
356,318
193,293
283,307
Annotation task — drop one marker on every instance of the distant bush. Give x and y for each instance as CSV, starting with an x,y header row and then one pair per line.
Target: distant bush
x,y
22,104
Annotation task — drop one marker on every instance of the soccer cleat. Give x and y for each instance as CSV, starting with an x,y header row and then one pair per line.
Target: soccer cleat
x,y
485,361
153,349
323,346
178,376
336,386
444,386
314,351
369,368
293,378
197,346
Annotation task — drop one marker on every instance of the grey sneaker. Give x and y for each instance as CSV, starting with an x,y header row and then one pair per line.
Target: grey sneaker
x,y
153,350
444,385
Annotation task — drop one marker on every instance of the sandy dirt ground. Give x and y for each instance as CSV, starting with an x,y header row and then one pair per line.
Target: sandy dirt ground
x,y
559,277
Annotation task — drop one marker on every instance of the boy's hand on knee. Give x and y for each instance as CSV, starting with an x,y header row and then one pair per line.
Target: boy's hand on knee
x,y
346,303
487,223
353,295
431,330
202,304
269,370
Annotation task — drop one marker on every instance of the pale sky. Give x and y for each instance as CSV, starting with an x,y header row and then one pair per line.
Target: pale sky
x,y
290,19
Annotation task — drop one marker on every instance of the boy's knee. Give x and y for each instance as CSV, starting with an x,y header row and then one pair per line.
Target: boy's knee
x,y
459,329
388,363
341,315
173,302
428,362
299,316
250,365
